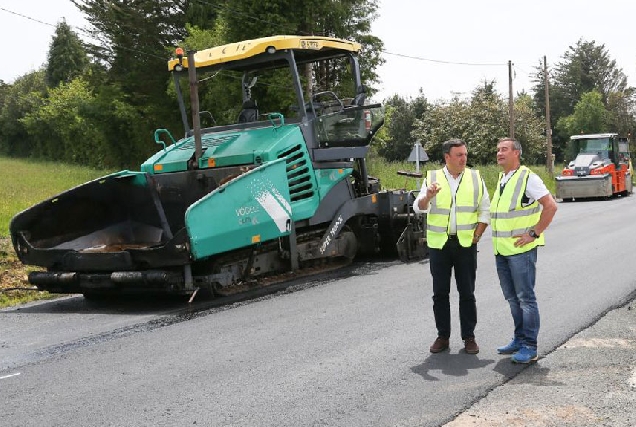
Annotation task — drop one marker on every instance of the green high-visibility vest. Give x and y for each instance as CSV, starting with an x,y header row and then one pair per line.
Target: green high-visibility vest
x,y
467,199
508,218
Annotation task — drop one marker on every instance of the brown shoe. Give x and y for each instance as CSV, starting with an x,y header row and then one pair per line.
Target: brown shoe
x,y
470,346
440,344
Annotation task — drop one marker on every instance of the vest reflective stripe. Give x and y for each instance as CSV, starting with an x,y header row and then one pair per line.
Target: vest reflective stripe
x,y
520,185
445,229
436,210
477,191
467,198
433,209
509,233
508,218
513,214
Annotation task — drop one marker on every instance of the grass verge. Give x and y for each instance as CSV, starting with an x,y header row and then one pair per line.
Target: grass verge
x,y
25,183
13,278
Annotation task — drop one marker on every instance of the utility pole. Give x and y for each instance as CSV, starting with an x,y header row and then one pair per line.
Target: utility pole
x,y
548,128
511,102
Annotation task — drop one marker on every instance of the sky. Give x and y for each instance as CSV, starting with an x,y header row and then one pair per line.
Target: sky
x,y
444,48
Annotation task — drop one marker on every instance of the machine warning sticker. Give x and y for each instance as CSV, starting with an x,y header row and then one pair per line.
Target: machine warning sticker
x,y
276,206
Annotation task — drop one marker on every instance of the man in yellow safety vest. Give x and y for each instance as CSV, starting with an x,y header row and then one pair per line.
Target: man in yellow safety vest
x,y
457,203
521,210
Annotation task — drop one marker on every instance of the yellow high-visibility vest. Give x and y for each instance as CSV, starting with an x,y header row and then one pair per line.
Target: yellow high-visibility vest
x,y
467,199
508,218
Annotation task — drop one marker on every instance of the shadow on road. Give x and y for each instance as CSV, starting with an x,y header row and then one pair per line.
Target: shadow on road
x,y
534,374
455,365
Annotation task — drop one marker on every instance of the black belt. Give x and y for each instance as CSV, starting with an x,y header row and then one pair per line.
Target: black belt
x,y
452,237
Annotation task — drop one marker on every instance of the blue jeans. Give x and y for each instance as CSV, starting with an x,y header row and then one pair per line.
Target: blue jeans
x,y
517,275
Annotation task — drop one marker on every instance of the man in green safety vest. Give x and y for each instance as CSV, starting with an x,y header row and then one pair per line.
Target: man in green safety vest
x,y
457,205
521,210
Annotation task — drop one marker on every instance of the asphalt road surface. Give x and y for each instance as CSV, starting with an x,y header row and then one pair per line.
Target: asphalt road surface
x,y
349,349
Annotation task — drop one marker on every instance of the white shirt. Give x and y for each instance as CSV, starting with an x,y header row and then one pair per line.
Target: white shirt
x,y
483,210
535,189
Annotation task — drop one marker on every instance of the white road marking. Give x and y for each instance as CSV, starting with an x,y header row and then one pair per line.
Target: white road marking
x,y
9,376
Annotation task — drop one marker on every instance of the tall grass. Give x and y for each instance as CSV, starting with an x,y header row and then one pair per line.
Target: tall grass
x,y
24,183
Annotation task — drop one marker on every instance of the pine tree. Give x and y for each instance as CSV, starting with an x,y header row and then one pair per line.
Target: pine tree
x,y
67,57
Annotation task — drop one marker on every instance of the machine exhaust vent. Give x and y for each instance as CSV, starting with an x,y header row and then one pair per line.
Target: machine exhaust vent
x,y
298,176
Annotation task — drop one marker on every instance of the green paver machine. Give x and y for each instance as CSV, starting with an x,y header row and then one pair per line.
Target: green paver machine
x,y
227,208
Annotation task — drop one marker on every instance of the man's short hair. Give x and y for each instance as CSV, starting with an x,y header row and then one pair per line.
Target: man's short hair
x,y
516,145
447,145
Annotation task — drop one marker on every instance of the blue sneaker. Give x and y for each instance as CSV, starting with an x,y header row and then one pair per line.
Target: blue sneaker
x,y
510,348
524,355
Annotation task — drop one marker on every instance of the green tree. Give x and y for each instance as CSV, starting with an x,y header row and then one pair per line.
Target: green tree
x,y
125,143
590,116
586,67
133,37
24,96
203,14
60,132
480,121
529,130
67,57
399,124
622,113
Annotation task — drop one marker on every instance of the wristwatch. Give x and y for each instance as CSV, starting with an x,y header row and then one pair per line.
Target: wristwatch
x,y
533,234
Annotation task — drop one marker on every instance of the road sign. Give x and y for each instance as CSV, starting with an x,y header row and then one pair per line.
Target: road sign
x,y
418,154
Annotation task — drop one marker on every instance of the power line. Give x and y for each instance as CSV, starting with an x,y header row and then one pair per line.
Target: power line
x,y
439,61
26,17
86,32
527,73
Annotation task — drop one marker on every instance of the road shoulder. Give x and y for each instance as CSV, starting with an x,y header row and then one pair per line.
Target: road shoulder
x,y
588,381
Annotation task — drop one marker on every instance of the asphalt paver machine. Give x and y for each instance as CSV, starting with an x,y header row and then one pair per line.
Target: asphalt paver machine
x,y
230,207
